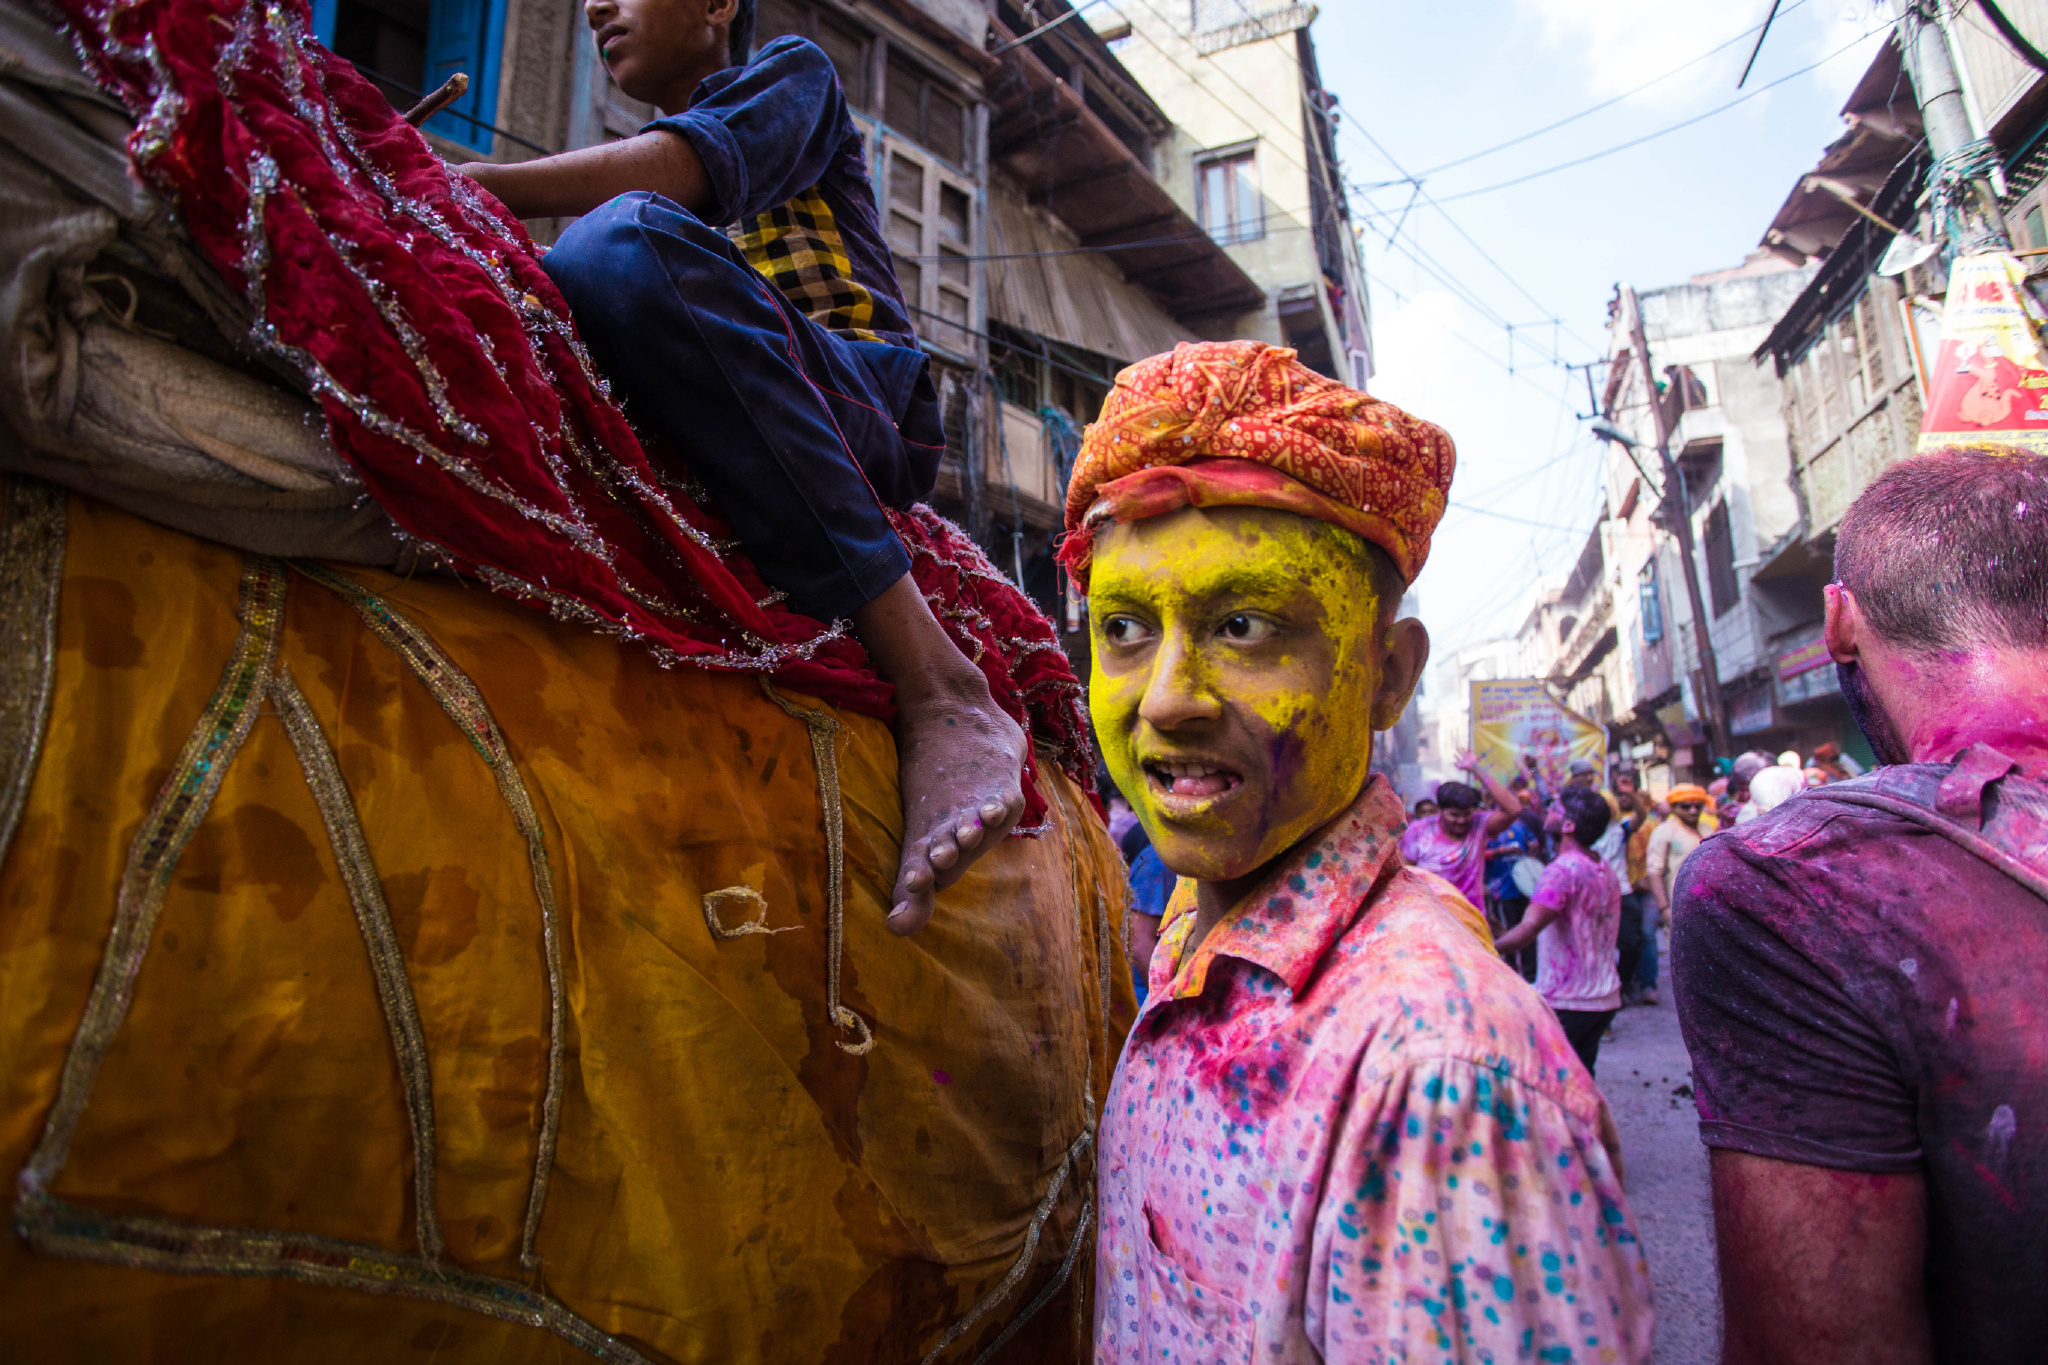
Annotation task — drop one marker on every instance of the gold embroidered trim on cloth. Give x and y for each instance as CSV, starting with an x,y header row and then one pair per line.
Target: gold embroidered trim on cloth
x,y
465,705
1085,1225
1032,1232
387,959
54,1227
825,754
797,247
60,1229
31,570
180,805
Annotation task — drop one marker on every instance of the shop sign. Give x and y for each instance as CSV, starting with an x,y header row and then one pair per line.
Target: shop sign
x,y
1809,656
1814,682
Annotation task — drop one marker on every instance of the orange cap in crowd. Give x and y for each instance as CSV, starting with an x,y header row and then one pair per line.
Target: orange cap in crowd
x,y
1686,791
1242,423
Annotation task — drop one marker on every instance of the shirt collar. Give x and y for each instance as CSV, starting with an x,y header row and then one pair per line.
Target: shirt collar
x,y
1299,910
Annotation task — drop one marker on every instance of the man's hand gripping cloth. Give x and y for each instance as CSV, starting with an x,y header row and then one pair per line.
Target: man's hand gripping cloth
x,y
415,310
1222,423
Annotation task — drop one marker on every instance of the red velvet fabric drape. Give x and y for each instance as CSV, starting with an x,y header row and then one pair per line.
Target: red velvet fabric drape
x,y
416,309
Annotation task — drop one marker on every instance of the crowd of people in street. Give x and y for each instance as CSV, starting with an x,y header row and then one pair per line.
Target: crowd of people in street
x,y
1497,843
1355,1116
1857,956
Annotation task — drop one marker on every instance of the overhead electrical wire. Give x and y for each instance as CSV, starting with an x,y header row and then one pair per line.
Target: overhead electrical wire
x,y
1419,193
1464,293
1469,294
1427,198
1508,516
1380,283
1565,539
1442,273
1661,132
1514,480
1519,139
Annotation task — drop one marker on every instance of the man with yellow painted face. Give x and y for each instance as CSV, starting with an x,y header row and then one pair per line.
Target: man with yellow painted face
x,y
1342,1128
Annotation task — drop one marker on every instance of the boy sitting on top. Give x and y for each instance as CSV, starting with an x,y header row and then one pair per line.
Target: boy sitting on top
x,y
784,367
1342,1129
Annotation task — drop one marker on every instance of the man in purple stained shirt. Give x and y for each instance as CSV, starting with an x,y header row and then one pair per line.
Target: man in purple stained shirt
x,y
1452,843
1573,918
1862,972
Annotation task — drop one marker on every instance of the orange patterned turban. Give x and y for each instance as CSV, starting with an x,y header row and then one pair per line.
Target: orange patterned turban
x,y
1241,423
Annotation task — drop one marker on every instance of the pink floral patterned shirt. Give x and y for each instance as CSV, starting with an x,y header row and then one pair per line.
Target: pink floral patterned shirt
x,y
1344,1130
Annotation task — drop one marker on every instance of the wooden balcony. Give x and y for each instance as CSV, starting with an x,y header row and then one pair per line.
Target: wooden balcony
x,y
1883,433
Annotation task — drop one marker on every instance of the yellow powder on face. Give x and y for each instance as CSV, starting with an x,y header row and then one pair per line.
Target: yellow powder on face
x,y
1244,633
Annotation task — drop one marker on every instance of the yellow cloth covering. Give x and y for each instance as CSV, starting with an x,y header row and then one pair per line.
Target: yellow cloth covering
x,y
730,1182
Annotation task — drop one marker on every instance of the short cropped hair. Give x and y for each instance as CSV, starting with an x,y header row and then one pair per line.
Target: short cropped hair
x,y
1587,810
1457,796
1949,550
739,36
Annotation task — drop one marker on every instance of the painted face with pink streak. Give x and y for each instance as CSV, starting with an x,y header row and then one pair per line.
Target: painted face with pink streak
x,y
1241,664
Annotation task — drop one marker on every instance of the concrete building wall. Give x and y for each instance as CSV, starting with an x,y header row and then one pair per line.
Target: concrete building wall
x,y
1712,326
1251,96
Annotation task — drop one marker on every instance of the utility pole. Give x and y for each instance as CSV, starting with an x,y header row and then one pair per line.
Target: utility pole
x,y
1678,516
1943,116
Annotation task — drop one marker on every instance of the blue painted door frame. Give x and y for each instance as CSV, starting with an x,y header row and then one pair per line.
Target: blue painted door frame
x,y
462,35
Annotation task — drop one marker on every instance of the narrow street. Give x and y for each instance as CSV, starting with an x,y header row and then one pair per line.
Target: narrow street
x,y
1648,1082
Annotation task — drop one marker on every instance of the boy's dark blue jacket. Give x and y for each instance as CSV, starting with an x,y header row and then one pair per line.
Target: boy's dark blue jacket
x,y
785,163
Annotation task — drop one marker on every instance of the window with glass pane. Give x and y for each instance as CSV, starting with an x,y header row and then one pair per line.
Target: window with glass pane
x,y
1851,369
906,225
1718,541
388,43
1228,198
1652,605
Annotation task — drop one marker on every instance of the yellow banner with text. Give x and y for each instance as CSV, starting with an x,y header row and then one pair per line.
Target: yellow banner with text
x,y
1518,718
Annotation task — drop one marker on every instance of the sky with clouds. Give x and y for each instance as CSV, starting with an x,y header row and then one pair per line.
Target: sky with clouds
x,y
1426,84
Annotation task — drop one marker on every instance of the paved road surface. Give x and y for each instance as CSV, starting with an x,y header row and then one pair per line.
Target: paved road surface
x,y
1667,1178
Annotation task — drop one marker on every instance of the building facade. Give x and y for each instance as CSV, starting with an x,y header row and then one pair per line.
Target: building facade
x,y
1788,384
1853,349
1031,189
1252,156
1730,438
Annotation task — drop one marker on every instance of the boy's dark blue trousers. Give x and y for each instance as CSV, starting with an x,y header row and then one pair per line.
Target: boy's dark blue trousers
x,y
801,436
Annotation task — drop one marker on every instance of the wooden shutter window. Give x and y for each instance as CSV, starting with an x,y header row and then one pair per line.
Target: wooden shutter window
x,y
847,46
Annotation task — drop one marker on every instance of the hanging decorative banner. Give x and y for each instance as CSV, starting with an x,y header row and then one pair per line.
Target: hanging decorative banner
x,y
1512,717
1989,380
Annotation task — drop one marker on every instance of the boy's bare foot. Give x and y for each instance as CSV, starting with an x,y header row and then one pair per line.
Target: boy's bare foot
x,y
960,760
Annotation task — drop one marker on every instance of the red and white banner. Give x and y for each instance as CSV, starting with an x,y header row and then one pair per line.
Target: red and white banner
x,y
1989,380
